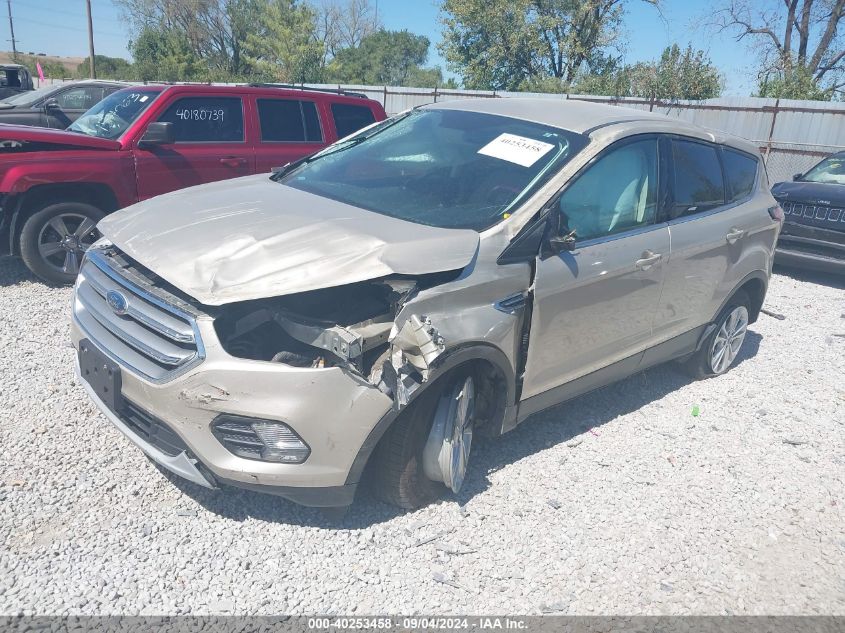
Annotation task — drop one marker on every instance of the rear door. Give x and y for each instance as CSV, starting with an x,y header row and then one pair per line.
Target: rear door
x,y
595,305
710,225
288,129
210,145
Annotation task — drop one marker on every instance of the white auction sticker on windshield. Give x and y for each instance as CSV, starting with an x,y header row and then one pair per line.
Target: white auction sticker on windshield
x,y
516,149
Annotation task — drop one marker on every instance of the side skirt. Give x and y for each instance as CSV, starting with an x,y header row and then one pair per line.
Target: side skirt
x,y
675,348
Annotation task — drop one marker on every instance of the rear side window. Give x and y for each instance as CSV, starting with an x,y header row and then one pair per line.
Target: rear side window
x,y
698,178
741,173
350,118
287,120
206,119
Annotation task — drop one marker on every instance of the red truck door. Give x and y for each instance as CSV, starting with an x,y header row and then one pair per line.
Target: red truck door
x,y
288,129
210,144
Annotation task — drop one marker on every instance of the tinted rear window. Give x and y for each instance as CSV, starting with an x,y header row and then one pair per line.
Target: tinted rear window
x,y
289,120
350,118
698,178
741,172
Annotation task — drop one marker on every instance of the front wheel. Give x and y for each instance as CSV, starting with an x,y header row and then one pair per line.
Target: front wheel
x,y
428,447
54,239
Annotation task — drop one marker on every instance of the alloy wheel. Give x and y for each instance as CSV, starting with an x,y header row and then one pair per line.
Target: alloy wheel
x,y
729,339
64,239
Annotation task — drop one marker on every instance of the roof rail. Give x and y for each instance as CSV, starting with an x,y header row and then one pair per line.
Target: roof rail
x,y
339,91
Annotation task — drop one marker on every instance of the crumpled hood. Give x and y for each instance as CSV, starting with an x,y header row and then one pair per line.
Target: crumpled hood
x,y
73,140
253,238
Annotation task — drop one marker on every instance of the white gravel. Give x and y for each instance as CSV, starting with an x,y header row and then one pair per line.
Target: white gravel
x,y
619,502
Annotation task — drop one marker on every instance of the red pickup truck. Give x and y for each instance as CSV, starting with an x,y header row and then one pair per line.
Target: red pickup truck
x,y
147,140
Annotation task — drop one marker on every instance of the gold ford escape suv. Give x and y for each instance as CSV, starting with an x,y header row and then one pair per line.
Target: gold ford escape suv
x,y
446,272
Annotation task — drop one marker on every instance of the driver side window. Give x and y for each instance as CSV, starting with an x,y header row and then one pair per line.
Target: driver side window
x,y
617,193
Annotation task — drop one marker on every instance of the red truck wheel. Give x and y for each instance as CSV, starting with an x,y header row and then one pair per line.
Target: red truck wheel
x,y
54,239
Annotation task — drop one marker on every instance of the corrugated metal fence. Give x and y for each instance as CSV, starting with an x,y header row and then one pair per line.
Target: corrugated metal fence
x,y
793,135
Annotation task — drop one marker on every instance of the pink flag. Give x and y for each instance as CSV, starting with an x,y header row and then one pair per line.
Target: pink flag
x,y
40,70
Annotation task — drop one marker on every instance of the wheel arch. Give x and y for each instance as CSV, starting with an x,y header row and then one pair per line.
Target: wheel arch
x,y
754,285
40,196
487,362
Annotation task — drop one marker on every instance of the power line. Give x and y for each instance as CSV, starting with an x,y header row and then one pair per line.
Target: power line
x,y
68,28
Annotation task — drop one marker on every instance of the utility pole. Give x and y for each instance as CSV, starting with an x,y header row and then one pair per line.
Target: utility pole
x,y
90,40
12,29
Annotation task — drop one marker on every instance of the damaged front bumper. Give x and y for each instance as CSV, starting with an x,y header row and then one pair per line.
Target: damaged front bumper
x,y
332,410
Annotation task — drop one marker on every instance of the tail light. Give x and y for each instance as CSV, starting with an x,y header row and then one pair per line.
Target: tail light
x,y
776,213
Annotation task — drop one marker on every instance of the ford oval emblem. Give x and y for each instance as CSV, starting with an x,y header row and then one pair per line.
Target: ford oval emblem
x,y
117,302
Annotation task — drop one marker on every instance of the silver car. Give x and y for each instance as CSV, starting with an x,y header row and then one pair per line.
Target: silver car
x,y
444,273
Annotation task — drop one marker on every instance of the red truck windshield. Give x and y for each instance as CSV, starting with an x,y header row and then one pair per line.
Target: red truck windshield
x,y
113,115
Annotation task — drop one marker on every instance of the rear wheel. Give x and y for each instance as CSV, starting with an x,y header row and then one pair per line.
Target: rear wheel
x,y
54,239
429,446
719,351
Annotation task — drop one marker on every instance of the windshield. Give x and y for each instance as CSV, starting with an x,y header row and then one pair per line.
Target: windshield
x,y
446,168
113,115
831,169
29,96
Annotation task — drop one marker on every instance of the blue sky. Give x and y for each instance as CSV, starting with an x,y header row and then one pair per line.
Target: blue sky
x,y
59,28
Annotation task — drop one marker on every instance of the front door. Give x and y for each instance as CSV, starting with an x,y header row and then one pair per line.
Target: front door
x,y
594,306
72,103
210,144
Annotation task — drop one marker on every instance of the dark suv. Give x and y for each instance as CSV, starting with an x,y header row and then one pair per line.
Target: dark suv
x,y
58,105
813,235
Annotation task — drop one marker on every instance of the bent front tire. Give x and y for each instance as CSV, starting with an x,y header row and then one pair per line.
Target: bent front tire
x,y
428,447
54,239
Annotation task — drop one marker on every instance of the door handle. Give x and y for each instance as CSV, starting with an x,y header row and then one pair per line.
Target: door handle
x,y
734,235
233,161
647,260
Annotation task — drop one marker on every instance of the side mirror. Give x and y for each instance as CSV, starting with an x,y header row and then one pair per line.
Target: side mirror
x,y
560,243
158,133
51,105
797,176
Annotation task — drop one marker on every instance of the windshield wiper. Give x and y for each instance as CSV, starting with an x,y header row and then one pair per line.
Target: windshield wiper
x,y
337,147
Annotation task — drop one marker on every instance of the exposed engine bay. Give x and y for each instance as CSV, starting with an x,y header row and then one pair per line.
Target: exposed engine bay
x,y
351,326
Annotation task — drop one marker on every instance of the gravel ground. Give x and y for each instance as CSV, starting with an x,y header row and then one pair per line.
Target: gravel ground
x,y
621,501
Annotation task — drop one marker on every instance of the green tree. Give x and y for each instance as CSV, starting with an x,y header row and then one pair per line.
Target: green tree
x,y
282,45
51,69
106,68
502,44
163,54
389,58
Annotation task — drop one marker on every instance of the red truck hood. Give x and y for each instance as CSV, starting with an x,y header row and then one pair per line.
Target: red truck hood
x,y
72,140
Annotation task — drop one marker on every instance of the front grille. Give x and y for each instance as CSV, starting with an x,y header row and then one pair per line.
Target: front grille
x,y
814,215
143,332
151,429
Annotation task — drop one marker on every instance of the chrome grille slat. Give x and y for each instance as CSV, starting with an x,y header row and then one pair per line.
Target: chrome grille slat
x,y
146,313
150,337
131,333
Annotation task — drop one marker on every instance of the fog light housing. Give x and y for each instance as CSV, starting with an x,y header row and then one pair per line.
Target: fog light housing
x,y
262,440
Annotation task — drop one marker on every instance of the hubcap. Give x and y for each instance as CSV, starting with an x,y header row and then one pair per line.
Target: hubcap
x,y
64,239
446,453
729,340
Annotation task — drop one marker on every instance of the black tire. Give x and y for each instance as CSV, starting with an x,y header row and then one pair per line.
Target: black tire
x,y
38,236
699,365
397,469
